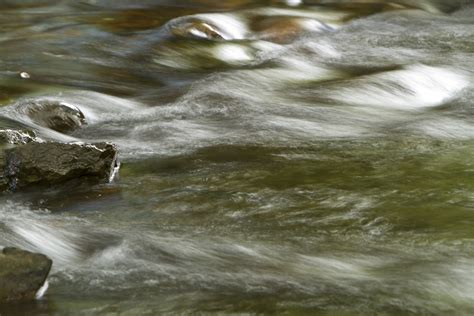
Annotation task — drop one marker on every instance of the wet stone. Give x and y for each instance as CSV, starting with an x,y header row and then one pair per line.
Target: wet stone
x,y
197,29
56,163
208,28
22,274
59,116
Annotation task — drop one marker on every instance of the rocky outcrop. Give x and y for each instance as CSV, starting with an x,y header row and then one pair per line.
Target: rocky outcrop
x,y
22,274
55,163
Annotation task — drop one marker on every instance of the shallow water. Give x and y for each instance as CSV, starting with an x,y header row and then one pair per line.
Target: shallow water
x,y
316,159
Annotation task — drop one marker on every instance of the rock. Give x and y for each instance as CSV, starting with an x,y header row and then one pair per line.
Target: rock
x,y
197,29
212,26
22,274
56,115
9,138
17,137
54,163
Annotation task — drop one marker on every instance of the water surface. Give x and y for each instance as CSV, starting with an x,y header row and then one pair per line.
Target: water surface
x,y
298,157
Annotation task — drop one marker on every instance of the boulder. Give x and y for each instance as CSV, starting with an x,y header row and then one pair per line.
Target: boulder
x,y
22,274
53,163
56,115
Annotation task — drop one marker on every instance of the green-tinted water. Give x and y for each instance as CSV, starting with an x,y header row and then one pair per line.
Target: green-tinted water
x,y
315,160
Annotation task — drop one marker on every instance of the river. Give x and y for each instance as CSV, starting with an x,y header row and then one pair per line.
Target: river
x,y
299,157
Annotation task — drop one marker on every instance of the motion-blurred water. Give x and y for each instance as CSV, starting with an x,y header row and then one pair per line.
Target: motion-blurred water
x,y
298,157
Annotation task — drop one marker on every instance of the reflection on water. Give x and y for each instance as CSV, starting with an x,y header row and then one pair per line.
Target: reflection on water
x,y
299,157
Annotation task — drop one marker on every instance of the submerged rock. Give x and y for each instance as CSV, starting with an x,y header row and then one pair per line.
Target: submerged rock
x,y
17,137
56,115
55,163
22,274
197,29
213,26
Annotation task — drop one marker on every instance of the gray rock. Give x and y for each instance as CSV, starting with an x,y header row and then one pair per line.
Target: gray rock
x,y
22,274
59,116
54,163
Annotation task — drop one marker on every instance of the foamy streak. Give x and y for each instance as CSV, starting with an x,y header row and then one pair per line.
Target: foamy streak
x,y
233,54
213,264
255,99
148,259
231,25
40,232
95,106
48,240
444,127
42,290
410,88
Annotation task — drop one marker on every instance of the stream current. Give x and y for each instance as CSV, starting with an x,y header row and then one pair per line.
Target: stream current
x,y
299,157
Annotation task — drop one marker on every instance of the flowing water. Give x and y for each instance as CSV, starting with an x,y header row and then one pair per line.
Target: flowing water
x,y
298,157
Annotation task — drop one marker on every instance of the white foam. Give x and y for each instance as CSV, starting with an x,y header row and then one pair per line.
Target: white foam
x,y
233,54
293,3
40,293
232,26
48,240
445,127
413,87
39,231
